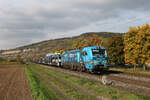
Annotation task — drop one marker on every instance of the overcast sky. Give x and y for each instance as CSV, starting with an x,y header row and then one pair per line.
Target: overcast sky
x,y
27,21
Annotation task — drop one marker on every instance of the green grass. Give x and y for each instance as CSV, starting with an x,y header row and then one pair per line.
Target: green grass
x,y
132,70
100,89
67,83
38,88
66,88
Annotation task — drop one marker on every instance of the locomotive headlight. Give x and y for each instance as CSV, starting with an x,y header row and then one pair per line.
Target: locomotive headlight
x,y
91,61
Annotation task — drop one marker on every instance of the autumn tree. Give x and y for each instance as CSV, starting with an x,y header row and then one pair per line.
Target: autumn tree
x,y
137,45
115,50
93,40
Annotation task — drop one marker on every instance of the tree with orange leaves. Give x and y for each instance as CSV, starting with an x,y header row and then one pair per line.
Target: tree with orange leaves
x,y
137,45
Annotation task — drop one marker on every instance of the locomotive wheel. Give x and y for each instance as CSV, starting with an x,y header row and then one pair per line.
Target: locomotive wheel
x,y
75,67
72,67
91,72
78,68
82,68
88,71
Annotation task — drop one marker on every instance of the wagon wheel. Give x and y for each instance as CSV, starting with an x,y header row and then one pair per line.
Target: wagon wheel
x,y
58,64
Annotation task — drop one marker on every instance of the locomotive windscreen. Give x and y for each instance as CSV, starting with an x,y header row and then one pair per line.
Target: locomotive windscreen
x,y
98,52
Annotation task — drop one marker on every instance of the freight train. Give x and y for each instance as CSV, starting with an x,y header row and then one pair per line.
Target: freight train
x,y
91,59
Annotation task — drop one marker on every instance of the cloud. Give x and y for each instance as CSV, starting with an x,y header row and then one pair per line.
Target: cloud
x,y
25,22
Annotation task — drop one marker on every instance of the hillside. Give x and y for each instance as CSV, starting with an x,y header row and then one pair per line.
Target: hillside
x,y
41,48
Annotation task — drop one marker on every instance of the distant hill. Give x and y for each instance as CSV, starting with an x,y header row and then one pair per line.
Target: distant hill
x,y
41,48
66,42
101,34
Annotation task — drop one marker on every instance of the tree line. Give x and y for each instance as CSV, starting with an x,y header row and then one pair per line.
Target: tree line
x,y
132,48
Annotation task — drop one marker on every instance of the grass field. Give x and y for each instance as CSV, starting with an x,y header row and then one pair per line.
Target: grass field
x,y
49,84
38,88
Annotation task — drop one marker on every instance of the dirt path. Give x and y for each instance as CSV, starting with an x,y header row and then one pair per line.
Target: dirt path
x,y
13,84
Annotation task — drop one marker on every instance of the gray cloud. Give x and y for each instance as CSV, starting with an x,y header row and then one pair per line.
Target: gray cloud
x,y
24,22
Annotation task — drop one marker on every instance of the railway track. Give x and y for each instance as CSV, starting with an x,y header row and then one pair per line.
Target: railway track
x,y
139,84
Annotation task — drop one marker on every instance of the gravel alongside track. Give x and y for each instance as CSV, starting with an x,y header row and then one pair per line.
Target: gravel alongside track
x,y
133,77
13,84
139,84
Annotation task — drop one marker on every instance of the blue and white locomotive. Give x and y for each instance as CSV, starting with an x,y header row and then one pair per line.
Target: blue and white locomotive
x,y
92,59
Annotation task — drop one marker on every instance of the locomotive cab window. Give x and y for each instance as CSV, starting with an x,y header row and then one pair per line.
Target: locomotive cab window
x,y
98,52
84,53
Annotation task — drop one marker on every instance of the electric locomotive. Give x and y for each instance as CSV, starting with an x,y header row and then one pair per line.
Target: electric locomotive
x,y
93,59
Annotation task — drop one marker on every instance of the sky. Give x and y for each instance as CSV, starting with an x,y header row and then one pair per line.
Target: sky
x,y
24,22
